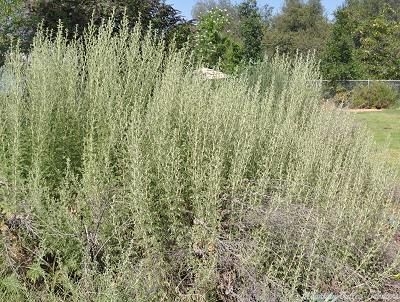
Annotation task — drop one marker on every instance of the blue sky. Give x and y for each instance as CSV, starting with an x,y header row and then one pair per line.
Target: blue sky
x,y
185,6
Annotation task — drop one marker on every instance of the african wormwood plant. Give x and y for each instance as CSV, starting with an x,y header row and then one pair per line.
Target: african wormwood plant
x,y
125,176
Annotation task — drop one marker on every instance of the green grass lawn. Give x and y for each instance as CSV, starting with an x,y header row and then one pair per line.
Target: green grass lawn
x,y
385,126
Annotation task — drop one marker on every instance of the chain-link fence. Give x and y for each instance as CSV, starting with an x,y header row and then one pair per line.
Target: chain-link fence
x,y
331,88
351,84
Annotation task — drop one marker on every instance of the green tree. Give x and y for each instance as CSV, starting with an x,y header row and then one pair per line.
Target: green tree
x,y
230,34
202,7
214,46
379,50
364,41
72,13
251,29
370,8
301,26
15,24
182,34
339,60
19,18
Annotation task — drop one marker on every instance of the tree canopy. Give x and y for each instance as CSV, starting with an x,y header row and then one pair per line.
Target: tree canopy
x,y
251,29
15,25
300,26
202,7
362,41
19,18
74,13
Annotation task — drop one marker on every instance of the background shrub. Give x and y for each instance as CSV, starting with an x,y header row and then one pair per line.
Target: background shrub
x,y
124,176
337,95
376,95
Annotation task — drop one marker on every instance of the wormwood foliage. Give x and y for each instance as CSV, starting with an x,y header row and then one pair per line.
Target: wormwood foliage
x,y
125,176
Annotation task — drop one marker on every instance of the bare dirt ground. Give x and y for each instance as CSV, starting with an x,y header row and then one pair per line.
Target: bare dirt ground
x,y
330,105
363,110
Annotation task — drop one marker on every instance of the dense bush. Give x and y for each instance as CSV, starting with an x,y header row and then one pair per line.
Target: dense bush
x,y
124,176
376,95
336,94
